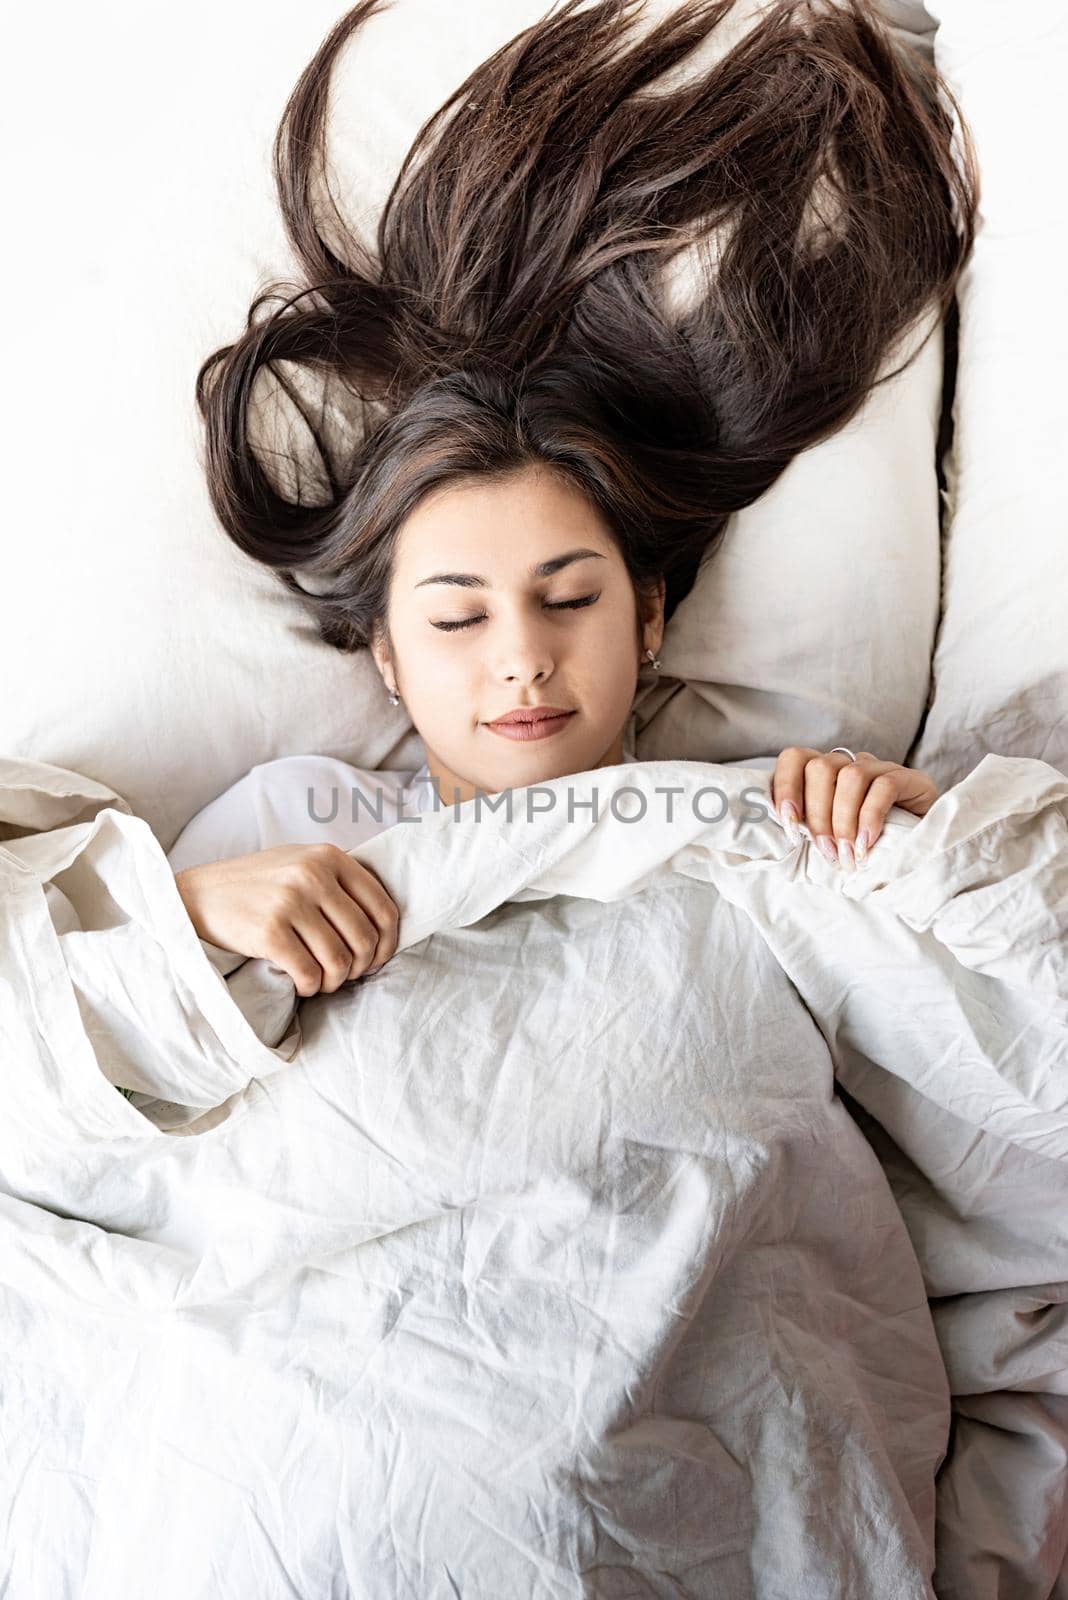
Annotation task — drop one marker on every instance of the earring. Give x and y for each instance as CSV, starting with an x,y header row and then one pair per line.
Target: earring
x,y
394,698
654,659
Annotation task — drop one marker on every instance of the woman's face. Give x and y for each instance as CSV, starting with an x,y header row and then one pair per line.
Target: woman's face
x,y
467,555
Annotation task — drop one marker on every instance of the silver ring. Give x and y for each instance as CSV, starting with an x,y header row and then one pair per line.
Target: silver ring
x,y
840,748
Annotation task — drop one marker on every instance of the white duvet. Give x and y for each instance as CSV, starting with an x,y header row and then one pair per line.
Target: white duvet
x,y
549,1261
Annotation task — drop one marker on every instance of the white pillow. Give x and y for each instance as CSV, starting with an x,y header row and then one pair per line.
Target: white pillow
x,y
139,647
815,621
1001,667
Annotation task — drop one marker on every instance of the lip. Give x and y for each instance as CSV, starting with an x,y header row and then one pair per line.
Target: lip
x,y
541,722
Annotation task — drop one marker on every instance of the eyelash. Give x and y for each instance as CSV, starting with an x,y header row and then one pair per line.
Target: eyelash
x,y
551,605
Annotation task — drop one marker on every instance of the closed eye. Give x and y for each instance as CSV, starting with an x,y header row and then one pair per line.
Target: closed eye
x,y
550,605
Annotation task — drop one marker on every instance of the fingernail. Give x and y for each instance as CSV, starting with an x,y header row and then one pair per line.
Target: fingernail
x,y
825,844
862,845
845,854
788,816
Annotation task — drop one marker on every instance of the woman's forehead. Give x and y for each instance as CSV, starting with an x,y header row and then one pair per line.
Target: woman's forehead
x,y
501,532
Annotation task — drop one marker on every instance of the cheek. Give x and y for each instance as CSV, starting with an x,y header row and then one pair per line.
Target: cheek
x,y
614,636
439,670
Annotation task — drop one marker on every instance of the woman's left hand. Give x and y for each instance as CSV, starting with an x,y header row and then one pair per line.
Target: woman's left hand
x,y
844,802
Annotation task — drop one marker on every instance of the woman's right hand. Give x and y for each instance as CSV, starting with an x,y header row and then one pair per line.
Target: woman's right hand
x,y
311,909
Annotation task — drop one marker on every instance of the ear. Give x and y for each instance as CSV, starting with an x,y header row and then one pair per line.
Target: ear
x,y
380,651
653,618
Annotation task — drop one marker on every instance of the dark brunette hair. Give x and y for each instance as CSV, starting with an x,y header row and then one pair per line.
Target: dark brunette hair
x,y
514,310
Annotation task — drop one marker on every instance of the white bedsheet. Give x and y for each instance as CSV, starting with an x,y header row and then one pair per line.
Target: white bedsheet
x,y
547,1261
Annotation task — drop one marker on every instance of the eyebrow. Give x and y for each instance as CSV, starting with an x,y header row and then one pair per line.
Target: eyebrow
x,y
543,569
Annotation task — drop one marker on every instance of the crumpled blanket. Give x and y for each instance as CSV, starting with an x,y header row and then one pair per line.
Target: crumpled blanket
x,y
673,1215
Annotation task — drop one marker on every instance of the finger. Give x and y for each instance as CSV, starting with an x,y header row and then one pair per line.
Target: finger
x,y
854,781
854,784
328,948
285,949
821,780
853,827
788,785
376,902
354,926
880,797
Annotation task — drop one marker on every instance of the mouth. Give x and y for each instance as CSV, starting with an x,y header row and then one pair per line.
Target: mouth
x,y
538,725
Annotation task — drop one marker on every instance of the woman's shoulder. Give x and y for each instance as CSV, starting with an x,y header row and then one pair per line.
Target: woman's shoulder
x,y
285,771
308,798
298,799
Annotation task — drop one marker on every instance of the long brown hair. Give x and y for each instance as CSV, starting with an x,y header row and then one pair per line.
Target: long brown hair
x,y
514,310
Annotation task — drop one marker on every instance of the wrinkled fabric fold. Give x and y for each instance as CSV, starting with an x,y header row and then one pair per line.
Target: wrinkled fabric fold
x,y
551,1248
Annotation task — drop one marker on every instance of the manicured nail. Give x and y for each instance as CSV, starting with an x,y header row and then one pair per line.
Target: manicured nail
x,y
788,814
862,845
825,844
845,854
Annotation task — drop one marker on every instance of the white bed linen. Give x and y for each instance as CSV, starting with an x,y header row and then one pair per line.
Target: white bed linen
x,y
547,1260
1001,663
315,799
310,799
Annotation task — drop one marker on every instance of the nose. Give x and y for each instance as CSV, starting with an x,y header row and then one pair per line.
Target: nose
x,y
526,657
527,671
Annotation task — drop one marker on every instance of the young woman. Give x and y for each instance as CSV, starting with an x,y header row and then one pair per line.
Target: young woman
x,y
537,452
